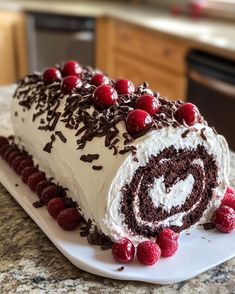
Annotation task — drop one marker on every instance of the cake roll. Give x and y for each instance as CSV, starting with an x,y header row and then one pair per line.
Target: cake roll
x,y
134,165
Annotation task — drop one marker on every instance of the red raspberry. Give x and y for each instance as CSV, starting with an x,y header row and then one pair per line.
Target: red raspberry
x,y
104,96
16,162
123,251
168,242
148,103
3,148
49,193
8,151
69,219
229,200
124,87
23,164
70,83
148,252
189,113
71,68
34,179
55,206
26,172
224,219
11,156
138,121
40,187
99,79
229,190
50,75
3,141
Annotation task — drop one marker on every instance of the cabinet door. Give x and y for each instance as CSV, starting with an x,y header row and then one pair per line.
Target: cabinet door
x,y
7,56
161,80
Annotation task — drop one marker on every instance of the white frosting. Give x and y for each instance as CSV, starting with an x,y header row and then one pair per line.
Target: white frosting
x,y
98,192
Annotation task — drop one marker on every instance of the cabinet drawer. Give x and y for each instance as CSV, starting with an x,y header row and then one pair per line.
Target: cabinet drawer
x,y
150,45
161,80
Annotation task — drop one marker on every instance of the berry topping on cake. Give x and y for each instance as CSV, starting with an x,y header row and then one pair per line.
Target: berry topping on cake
x,y
8,151
104,96
69,219
3,141
229,200
123,251
188,113
148,103
71,68
16,162
230,190
224,219
99,79
40,187
49,193
51,75
71,83
148,252
12,155
124,87
138,121
34,179
26,172
23,164
168,242
55,206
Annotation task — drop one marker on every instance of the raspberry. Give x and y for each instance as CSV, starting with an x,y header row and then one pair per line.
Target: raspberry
x,y
224,219
168,242
229,190
16,162
148,252
69,219
34,179
11,156
26,172
41,185
3,148
3,141
23,164
55,206
229,200
123,251
49,193
7,152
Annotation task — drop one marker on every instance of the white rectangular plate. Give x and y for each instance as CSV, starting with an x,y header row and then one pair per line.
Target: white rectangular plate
x,y
198,251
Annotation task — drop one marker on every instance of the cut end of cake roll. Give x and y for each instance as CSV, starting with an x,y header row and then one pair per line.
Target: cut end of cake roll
x,y
134,162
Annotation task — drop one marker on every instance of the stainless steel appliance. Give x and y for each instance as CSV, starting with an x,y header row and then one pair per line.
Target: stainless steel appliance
x,y
55,38
211,86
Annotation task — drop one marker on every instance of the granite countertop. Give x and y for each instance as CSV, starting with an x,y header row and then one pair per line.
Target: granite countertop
x,y
30,263
213,33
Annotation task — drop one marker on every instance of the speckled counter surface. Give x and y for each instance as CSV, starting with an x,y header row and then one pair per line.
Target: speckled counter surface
x,y
30,263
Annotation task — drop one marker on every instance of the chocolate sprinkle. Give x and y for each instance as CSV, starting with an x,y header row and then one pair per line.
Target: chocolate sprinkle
x,y
97,167
120,269
209,226
61,136
89,157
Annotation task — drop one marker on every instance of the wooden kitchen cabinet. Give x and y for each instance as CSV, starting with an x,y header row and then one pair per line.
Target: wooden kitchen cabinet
x,y
140,54
13,47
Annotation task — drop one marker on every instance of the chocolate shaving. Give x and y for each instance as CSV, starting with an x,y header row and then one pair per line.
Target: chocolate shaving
x,y
185,133
37,204
89,157
97,167
120,269
203,134
61,136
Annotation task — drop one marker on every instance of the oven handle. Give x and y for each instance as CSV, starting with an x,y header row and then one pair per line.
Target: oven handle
x,y
213,83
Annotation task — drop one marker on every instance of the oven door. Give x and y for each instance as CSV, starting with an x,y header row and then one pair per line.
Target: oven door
x,y
216,101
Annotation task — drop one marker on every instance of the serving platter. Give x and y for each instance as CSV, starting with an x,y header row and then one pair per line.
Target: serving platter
x,y
199,250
